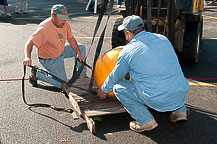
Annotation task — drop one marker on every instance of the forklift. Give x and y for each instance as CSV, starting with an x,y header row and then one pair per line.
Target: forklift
x,y
181,21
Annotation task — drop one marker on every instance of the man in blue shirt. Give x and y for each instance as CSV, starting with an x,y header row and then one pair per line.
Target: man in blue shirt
x,y
157,78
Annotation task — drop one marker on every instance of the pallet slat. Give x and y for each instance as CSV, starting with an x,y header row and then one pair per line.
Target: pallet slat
x,y
107,111
88,105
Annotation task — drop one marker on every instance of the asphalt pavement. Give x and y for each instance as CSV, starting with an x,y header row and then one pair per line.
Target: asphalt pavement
x,y
20,124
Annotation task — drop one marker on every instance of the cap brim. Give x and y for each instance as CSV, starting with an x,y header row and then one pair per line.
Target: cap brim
x,y
120,27
63,17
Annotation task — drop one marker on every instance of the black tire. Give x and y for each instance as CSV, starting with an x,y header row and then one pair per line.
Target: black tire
x,y
192,39
118,37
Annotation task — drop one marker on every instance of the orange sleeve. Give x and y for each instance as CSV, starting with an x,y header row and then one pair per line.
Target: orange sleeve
x,y
69,31
38,38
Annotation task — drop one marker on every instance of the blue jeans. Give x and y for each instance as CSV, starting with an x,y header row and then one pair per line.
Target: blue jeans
x,y
57,66
119,2
126,93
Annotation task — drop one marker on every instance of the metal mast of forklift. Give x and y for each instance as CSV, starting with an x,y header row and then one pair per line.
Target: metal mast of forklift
x,y
133,6
170,20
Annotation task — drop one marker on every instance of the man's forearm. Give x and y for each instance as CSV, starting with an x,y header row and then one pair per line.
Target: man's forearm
x,y
27,52
28,49
74,45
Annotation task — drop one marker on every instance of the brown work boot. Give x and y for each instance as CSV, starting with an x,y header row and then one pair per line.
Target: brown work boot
x,y
178,117
145,127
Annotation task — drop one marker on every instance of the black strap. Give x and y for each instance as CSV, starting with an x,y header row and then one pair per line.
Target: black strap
x,y
99,20
99,46
127,5
76,73
40,104
149,16
23,92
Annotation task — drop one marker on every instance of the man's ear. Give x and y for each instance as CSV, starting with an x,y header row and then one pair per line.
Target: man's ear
x,y
130,35
52,15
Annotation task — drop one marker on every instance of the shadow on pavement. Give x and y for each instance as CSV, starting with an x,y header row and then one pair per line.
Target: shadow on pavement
x,y
49,88
80,128
201,127
111,124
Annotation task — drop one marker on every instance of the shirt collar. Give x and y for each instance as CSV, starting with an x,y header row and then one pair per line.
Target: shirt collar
x,y
142,33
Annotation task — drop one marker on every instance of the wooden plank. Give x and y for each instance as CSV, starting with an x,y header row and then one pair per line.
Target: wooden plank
x,y
87,104
88,101
99,105
85,95
90,124
106,111
103,107
84,82
74,104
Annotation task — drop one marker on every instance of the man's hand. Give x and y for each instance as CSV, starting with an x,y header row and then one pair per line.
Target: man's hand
x,y
27,52
101,94
80,58
27,61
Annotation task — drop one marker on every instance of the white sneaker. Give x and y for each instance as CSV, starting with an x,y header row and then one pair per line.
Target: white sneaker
x,y
17,12
118,6
8,14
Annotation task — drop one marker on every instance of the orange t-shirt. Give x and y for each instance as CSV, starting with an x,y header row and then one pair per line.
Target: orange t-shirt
x,y
50,40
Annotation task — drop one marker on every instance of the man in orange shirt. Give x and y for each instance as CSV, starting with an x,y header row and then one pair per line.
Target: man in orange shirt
x,y
50,41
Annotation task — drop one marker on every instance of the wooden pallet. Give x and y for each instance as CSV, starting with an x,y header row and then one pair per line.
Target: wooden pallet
x,y
88,105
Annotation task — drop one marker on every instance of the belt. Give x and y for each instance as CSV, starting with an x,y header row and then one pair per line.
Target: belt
x,y
41,58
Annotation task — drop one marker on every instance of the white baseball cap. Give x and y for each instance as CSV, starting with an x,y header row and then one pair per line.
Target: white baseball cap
x,y
132,23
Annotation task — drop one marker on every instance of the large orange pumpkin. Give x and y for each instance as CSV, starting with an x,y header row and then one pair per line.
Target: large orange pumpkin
x,y
105,65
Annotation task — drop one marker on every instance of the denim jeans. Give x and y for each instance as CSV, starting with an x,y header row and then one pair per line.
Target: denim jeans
x,y
126,93
57,66
25,3
119,2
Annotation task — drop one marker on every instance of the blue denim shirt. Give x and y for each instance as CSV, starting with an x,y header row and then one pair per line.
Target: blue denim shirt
x,y
154,68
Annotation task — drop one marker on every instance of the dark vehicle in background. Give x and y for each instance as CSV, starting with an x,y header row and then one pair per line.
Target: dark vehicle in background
x,y
181,21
